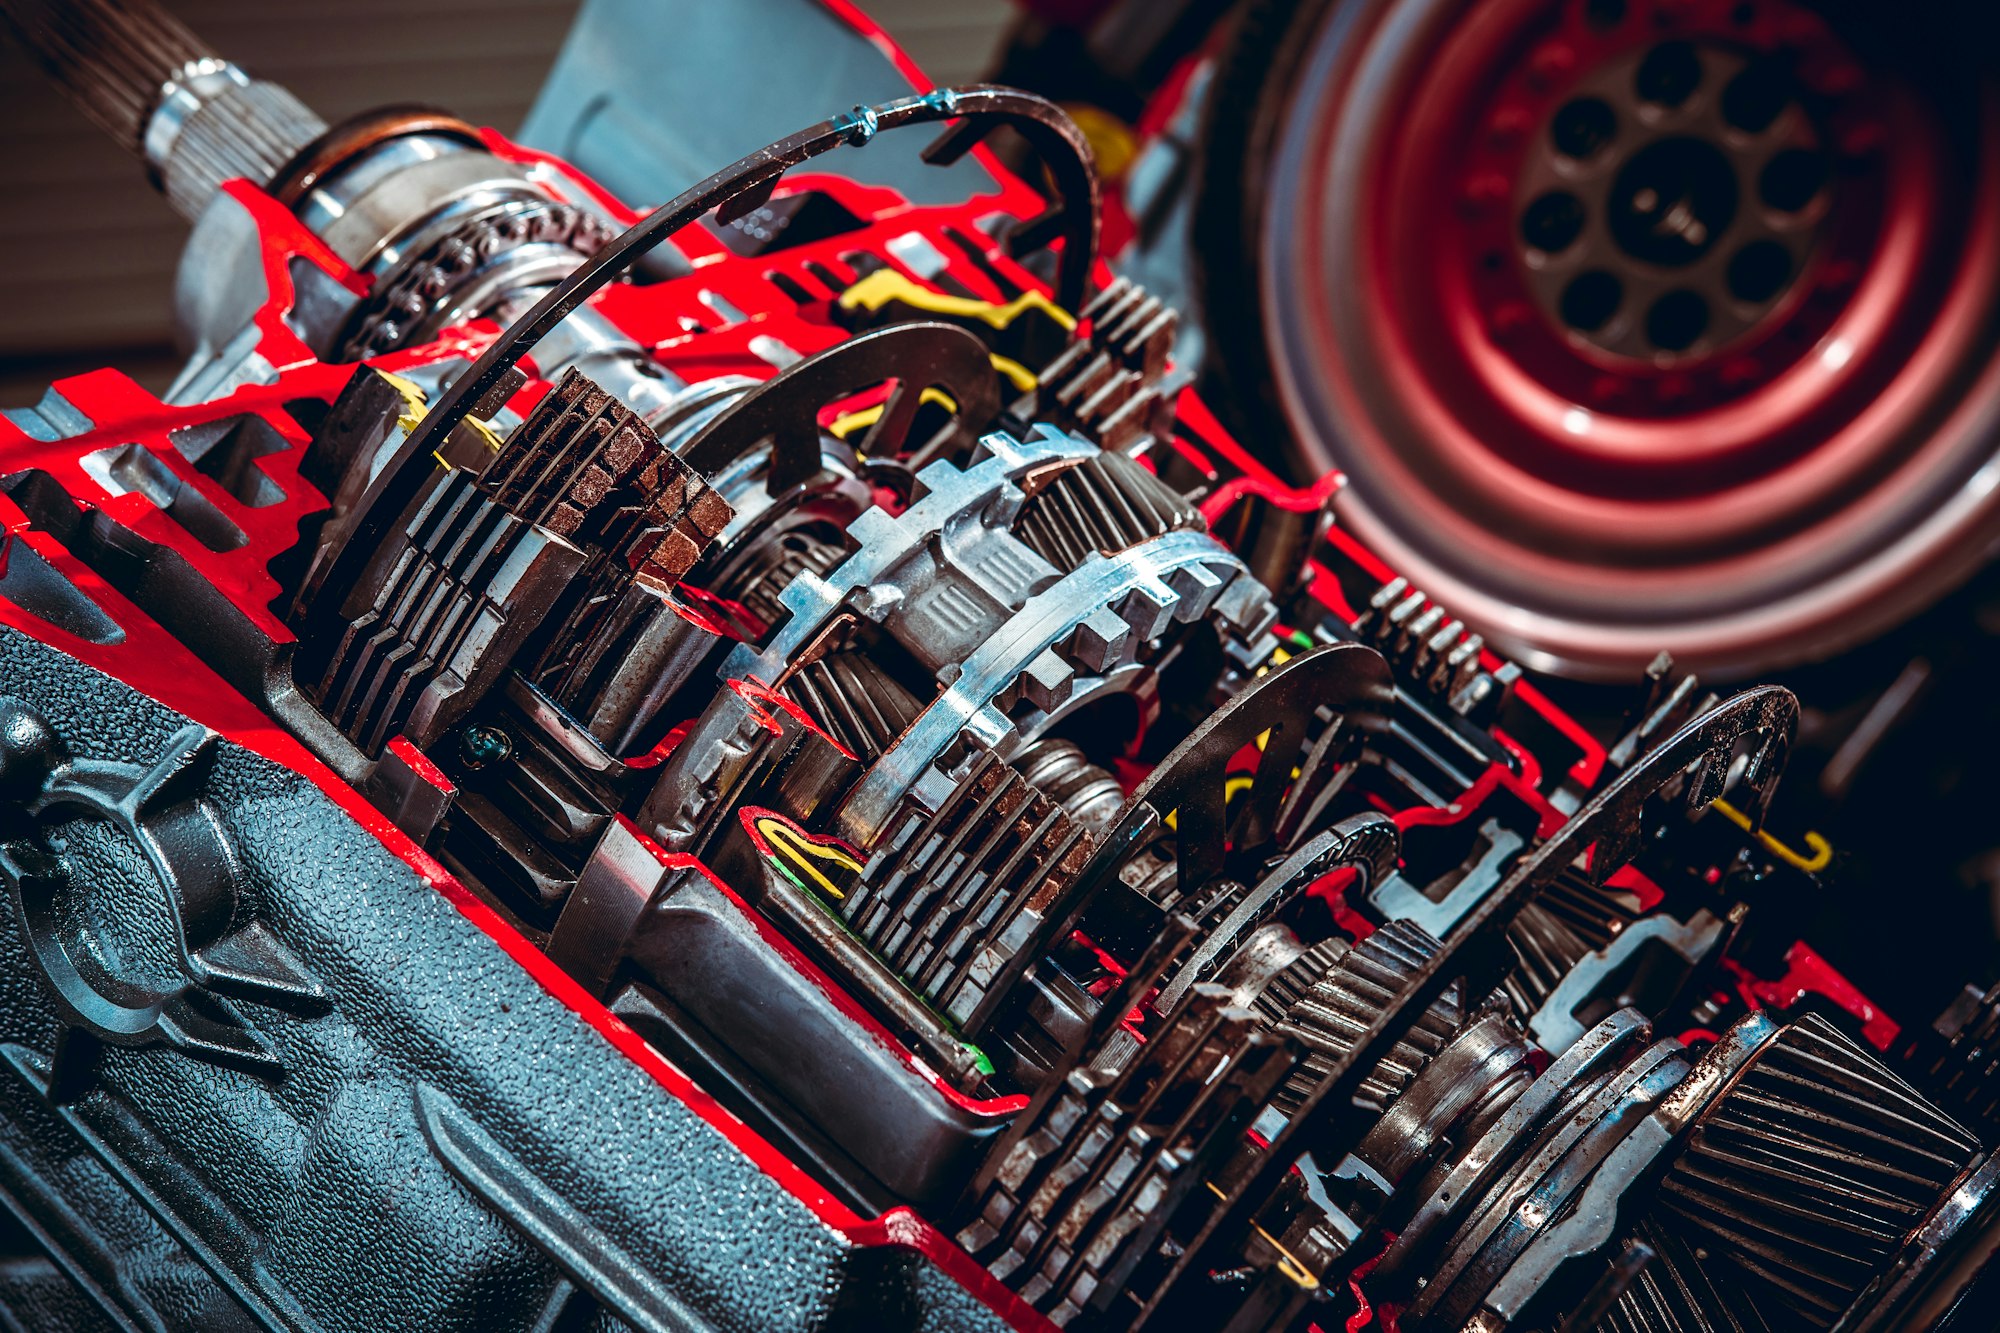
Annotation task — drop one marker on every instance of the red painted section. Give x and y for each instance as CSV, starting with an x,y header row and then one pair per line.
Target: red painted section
x,y
699,326
1808,975
420,764
692,337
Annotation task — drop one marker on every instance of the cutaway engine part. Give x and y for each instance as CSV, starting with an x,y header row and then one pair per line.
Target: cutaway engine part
x,y
1341,1004
837,728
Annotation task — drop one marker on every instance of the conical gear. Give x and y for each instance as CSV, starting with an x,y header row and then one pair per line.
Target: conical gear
x,y
1676,1293
1810,1172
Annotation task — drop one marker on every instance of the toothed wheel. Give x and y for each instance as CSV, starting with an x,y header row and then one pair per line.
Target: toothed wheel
x,y
1292,982
858,703
1111,384
951,900
1675,1293
1104,505
1336,1010
1811,1172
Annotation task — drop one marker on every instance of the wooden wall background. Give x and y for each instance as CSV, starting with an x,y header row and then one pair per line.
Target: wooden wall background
x,y
87,249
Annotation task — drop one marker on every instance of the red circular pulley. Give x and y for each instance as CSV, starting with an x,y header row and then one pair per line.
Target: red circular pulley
x,y
1634,324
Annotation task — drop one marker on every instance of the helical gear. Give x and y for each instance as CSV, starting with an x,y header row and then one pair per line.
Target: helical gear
x,y
1333,1013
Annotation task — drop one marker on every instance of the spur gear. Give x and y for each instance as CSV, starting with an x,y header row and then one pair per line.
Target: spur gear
x,y
1104,504
844,726
952,901
860,705
1675,1293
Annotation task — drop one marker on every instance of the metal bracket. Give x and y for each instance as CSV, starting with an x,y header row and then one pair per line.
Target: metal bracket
x,y
202,952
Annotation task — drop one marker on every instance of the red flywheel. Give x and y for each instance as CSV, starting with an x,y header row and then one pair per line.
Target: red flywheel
x,y
1632,323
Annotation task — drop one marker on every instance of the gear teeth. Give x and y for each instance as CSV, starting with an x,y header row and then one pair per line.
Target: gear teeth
x,y
1112,385
1297,977
403,663
1333,1014
1046,682
1428,645
762,588
1198,587
587,468
1099,643
1104,504
1135,326
1097,1179
1958,1061
1812,1170
858,703
1571,920
1677,1293
952,898
1246,606
1149,609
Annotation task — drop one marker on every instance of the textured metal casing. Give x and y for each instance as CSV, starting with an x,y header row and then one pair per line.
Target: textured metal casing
x,y
360,1191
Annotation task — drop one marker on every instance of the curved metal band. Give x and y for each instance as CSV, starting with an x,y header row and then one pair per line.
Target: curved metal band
x,y
923,355
733,192
1368,842
1761,721
342,143
1349,678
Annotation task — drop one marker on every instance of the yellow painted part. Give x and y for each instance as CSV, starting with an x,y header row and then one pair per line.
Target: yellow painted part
x,y
1822,851
845,426
1288,1263
1231,785
1278,658
413,398
1112,142
789,837
1013,371
485,432
884,285
408,388
800,853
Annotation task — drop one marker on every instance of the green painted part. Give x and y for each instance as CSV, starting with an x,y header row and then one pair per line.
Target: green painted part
x,y
779,866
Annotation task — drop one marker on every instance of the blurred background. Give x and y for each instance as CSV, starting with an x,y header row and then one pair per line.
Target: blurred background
x,y
92,247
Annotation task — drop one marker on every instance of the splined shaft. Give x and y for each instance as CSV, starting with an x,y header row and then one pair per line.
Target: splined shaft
x,y
112,56
164,94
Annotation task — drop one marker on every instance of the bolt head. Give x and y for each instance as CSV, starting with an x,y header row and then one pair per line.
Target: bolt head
x,y
29,751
